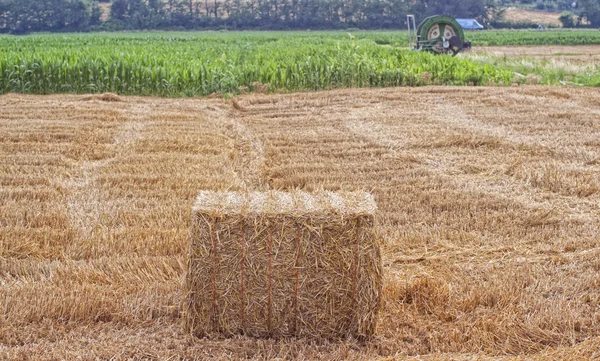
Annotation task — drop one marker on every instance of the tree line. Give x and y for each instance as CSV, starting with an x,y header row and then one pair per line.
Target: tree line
x,y
282,14
22,16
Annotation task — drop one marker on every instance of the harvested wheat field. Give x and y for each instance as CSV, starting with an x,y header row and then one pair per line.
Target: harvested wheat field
x,y
488,208
573,55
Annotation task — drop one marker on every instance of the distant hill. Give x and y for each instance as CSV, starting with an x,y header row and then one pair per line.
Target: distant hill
x,y
513,14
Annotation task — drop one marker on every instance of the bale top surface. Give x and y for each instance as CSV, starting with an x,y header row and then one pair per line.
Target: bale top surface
x,y
276,202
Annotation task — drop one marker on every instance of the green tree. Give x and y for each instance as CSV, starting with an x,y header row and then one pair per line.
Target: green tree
x,y
567,19
590,10
96,15
495,10
127,9
460,9
21,16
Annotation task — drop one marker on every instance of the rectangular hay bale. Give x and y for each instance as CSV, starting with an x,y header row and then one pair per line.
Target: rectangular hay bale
x,y
281,264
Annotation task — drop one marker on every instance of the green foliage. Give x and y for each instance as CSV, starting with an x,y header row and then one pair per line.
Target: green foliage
x,y
96,15
283,14
137,14
590,10
495,10
169,64
567,19
23,16
548,5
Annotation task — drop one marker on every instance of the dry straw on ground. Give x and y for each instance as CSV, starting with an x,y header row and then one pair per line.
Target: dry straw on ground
x,y
488,200
279,264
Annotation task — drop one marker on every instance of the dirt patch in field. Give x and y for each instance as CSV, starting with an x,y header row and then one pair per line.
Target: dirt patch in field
x,y
488,205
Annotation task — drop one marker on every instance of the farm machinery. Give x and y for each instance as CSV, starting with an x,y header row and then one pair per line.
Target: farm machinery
x,y
438,34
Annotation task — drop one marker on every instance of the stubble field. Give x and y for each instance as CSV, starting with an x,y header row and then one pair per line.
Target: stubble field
x,y
489,208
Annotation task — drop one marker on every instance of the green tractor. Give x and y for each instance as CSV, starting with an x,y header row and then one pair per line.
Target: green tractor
x,y
438,34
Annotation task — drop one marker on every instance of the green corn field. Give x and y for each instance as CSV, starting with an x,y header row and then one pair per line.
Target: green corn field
x,y
187,64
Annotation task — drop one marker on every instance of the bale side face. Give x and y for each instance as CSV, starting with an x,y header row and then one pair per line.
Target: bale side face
x,y
257,268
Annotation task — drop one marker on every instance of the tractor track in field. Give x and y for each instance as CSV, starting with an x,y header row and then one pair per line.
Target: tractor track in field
x,y
497,182
88,204
89,207
249,153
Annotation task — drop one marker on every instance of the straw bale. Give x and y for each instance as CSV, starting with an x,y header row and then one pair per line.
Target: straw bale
x,y
280,264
